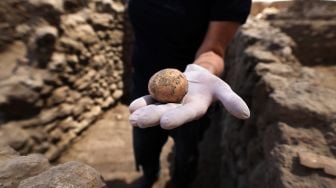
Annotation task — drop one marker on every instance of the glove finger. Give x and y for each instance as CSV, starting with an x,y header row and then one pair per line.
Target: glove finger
x,y
149,116
232,102
140,102
190,111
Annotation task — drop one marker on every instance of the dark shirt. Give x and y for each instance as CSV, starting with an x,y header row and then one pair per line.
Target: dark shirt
x,y
169,32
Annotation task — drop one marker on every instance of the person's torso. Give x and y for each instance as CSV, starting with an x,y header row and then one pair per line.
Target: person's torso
x,y
167,32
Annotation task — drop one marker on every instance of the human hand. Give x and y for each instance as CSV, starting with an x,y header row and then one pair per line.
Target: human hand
x,y
203,89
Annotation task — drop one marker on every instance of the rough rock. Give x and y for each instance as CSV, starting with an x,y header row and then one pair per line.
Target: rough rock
x,y
18,93
312,160
14,170
108,6
83,33
35,171
13,136
59,95
70,174
101,20
56,4
6,153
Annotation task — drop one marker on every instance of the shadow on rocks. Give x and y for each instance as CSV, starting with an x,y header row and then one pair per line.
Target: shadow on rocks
x,y
117,183
120,183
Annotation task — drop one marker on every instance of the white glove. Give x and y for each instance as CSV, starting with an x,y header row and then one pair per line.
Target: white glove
x,y
203,89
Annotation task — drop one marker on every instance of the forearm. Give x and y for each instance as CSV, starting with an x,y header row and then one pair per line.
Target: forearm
x,y
211,53
210,60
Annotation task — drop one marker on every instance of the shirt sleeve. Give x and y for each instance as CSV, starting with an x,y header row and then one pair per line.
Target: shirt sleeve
x,y
230,10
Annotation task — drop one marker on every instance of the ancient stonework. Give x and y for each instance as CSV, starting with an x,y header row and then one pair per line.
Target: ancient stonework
x,y
61,68
284,67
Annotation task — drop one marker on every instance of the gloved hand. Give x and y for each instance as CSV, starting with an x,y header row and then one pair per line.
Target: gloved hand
x,y
203,89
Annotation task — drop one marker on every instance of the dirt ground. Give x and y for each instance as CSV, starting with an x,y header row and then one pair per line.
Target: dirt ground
x,y
107,146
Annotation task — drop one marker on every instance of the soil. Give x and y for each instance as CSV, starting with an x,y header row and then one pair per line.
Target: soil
x,y
107,146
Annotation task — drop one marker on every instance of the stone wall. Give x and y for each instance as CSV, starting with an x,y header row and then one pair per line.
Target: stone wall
x,y
287,74
61,68
312,24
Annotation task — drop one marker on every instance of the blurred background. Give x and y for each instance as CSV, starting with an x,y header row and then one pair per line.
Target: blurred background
x,y
65,83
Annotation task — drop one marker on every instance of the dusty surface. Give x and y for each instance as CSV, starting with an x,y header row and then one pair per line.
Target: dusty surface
x,y
107,146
